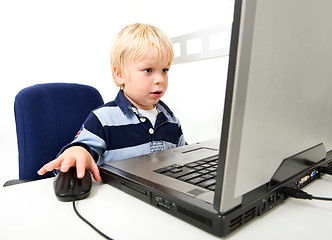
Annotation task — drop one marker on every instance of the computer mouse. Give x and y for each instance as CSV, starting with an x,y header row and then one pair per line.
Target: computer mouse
x,y
68,187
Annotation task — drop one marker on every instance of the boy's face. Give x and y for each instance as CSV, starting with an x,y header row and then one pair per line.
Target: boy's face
x,y
144,79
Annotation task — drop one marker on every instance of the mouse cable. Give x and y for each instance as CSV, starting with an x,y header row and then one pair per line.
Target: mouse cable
x,y
87,222
326,170
299,194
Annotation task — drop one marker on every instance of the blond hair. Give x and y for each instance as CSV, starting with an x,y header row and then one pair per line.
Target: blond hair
x,y
134,40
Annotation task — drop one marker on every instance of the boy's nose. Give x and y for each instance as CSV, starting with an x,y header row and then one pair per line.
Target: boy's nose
x,y
159,79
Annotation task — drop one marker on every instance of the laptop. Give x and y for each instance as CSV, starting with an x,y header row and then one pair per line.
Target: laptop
x,y
276,128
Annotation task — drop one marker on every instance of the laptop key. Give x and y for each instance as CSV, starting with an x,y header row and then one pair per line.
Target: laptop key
x,y
198,167
201,173
207,183
191,165
212,187
204,171
207,176
195,181
175,170
189,176
164,170
183,171
206,165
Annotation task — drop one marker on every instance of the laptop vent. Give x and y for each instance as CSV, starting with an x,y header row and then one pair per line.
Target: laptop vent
x,y
242,219
329,165
249,215
235,223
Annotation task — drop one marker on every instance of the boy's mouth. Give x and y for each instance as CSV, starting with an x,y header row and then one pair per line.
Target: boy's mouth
x,y
157,93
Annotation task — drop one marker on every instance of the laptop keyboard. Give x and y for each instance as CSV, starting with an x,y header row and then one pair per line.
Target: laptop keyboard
x,y
201,173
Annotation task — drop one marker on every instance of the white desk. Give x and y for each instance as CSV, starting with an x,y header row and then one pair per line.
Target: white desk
x,y
31,211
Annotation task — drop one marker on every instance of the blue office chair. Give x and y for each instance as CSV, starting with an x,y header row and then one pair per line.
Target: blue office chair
x,y
48,116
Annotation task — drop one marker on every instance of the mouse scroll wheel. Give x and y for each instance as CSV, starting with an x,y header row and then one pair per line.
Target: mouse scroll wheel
x,y
72,182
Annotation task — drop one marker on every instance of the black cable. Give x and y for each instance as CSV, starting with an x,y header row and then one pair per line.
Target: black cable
x,y
299,194
87,222
326,170
322,198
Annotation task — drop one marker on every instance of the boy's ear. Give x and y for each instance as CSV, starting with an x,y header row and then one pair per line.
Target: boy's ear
x,y
119,78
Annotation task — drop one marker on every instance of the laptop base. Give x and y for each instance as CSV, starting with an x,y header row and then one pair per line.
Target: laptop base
x,y
202,214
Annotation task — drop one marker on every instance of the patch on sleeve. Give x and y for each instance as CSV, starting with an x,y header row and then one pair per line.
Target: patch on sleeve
x,y
156,146
78,133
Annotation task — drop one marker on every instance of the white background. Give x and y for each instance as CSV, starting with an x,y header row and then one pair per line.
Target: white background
x,y
68,41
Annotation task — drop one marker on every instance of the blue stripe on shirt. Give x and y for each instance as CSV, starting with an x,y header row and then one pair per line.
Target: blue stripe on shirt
x,y
93,125
116,131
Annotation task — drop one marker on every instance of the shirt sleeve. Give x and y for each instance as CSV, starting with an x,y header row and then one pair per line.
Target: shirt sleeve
x,y
91,136
181,141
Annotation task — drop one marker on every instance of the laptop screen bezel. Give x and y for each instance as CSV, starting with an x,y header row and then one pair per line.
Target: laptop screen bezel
x,y
224,193
300,109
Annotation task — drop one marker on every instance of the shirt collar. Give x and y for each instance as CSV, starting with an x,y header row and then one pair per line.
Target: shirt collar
x,y
161,106
124,104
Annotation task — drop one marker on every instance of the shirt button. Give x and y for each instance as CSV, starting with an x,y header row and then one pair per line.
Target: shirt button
x,y
151,131
142,119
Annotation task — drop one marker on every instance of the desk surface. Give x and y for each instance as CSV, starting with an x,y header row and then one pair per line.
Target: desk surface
x,y
31,211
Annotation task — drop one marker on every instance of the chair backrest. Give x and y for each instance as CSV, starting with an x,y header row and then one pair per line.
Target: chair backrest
x,y
48,116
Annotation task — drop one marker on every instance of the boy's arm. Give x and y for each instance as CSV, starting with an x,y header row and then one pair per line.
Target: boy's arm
x,y
181,141
83,152
73,156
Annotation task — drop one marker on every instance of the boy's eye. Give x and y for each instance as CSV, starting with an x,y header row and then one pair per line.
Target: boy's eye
x,y
165,70
148,70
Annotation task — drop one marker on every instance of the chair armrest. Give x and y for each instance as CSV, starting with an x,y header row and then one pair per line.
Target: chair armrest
x,y
14,182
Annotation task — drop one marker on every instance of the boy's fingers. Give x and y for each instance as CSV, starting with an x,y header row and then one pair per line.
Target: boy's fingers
x,y
50,166
66,164
80,169
42,171
96,173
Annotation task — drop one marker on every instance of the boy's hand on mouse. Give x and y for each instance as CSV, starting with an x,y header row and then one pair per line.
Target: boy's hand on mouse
x,y
73,156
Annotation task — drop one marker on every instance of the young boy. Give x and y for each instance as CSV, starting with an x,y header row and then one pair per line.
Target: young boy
x,y
137,122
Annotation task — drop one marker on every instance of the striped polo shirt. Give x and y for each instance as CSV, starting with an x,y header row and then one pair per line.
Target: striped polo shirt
x,y
117,130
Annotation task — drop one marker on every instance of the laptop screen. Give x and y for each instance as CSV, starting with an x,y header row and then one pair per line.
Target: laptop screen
x,y
278,90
